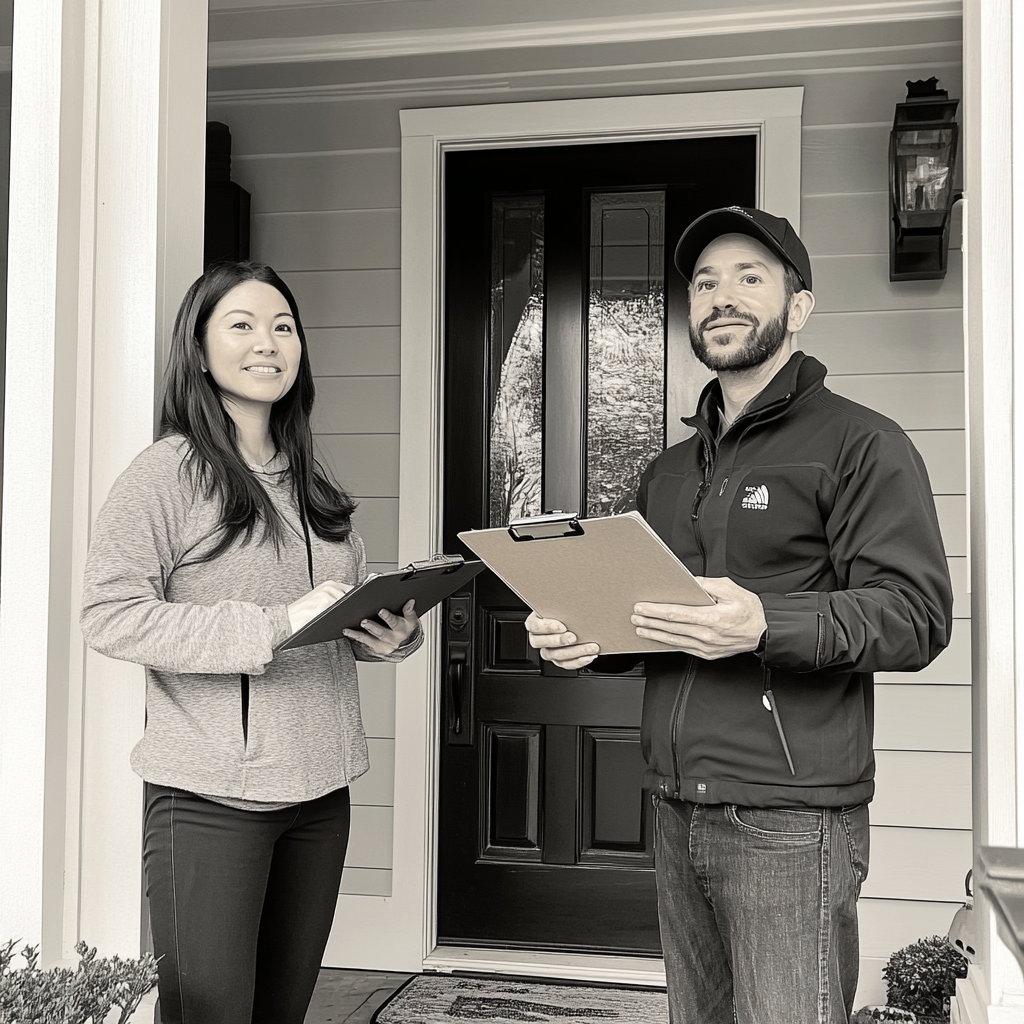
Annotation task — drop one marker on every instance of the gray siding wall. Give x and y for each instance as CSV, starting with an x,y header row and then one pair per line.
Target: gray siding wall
x,y
323,166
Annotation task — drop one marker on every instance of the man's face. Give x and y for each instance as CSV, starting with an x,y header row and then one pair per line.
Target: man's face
x,y
738,304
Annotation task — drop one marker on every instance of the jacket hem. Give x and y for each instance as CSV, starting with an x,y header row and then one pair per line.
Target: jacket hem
x,y
755,794
220,787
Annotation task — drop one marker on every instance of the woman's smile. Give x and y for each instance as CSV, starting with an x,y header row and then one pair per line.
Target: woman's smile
x,y
251,333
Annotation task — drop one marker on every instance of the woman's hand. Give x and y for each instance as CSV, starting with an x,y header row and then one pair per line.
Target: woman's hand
x,y
310,605
386,636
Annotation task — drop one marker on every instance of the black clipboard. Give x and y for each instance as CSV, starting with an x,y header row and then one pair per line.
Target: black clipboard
x,y
588,573
428,583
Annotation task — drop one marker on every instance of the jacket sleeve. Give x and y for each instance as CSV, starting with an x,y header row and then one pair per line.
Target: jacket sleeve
x,y
893,611
136,541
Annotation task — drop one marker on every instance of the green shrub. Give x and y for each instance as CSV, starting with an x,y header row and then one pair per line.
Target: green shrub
x,y
922,977
29,995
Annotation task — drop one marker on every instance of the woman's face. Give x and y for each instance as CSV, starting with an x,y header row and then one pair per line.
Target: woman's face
x,y
252,349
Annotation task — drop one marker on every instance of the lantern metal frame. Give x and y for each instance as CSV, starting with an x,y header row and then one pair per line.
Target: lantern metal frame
x,y
919,238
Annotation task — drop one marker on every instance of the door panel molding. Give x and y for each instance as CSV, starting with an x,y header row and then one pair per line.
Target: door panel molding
x,y
401,930
510,800
507,646
612,831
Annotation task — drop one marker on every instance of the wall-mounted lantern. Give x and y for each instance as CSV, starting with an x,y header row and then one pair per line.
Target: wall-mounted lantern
x,y
922,157
226,233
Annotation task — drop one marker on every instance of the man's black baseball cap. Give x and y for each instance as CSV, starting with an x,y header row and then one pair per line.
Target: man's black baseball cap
x,y
774,232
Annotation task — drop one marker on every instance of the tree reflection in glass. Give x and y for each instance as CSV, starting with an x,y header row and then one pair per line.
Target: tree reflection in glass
x,y
625,346
516,358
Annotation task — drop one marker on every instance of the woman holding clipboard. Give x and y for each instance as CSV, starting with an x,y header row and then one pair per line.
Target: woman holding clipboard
x,y
218,542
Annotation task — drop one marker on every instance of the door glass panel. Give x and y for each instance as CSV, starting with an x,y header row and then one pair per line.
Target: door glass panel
x,y
516,358
625,346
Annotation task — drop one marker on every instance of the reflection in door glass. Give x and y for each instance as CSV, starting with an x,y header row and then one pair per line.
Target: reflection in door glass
x,y
516,358
625,346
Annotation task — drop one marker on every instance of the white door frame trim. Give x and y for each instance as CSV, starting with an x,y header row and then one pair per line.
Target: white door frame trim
x,y
400,930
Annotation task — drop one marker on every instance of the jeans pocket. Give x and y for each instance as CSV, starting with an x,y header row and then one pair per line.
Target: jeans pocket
x,y
777,824
857,831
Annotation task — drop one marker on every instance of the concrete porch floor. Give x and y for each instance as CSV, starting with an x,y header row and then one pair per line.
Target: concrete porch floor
x,y
350,997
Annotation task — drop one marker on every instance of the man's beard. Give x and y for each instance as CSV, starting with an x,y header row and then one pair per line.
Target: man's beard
x,y
763,342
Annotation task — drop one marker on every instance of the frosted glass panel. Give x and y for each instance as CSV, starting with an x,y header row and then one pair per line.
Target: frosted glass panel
x,y
516,365
625,346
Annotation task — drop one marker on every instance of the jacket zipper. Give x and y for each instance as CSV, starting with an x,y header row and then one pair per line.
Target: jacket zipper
x,y
768,700
767,697
819,654
709,465
702,493
244,686
677,715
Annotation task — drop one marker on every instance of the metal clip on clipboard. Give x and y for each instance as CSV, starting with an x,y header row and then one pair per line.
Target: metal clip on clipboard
x,y
551,524
589,574
449,562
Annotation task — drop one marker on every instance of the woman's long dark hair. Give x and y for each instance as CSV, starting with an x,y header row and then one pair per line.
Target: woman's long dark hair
x,y
192,407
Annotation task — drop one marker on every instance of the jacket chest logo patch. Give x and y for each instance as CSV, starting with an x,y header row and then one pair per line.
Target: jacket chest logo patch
x,y
756,497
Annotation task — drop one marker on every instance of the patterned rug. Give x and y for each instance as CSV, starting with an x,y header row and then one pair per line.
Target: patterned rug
x,y
448,999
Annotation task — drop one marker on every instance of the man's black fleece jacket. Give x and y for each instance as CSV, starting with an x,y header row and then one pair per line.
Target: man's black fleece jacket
x,y
823,508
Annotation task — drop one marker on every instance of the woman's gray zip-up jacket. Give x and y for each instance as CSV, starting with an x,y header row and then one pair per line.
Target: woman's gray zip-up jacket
x,y
823,508
205,629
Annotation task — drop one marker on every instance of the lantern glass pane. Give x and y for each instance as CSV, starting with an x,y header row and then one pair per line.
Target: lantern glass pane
x,y
923,179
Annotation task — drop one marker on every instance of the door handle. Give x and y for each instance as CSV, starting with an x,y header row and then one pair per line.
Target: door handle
x,y
456,679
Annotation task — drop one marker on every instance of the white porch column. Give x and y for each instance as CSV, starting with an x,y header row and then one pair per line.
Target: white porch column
x,y
107,154
993,120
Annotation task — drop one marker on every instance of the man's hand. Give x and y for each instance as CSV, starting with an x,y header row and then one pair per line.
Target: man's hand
x,y
732,626
557,645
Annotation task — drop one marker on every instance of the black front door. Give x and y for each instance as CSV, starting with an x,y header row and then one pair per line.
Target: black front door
x,y
567,368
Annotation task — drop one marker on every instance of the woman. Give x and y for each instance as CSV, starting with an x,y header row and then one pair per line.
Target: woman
x,y
217,543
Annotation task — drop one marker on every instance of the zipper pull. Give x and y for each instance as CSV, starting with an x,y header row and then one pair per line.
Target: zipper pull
x,y
725,483
702,493
768,700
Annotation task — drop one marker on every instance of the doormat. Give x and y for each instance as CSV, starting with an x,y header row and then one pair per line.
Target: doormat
x,y
447,998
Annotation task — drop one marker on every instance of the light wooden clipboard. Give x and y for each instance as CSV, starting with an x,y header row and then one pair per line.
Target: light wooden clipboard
x,y
588,573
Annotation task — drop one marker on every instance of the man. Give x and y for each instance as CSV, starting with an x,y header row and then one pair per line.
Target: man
x,y
810,520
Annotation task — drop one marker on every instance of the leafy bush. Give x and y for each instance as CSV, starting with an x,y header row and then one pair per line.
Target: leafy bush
x,y
922,977
29,995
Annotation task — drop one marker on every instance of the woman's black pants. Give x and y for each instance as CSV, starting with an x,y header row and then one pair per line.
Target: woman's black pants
x,y
241,904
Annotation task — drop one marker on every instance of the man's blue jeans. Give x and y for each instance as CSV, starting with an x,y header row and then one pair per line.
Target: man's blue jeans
x,y
758,911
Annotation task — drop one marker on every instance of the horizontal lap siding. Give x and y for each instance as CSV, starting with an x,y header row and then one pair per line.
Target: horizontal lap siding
x,y
340,239
923,716
315,182
875,341
326,185
898,347
342,264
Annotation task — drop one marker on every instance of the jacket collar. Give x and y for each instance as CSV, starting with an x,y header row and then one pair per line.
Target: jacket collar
x,y
801,376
